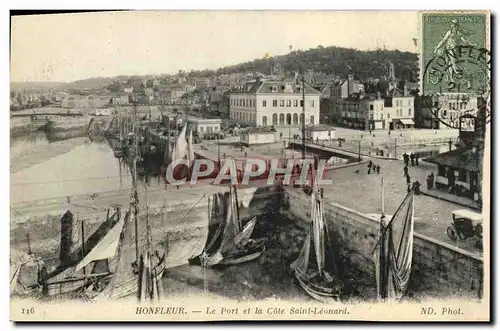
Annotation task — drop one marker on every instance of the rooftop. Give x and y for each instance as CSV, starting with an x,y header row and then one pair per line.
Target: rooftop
x,y
458,158
320,128
274,86
260,130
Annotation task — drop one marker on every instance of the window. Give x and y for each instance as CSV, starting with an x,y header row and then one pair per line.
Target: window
x,y
202,128
295,103
409,112
371,107
264,120
275,103
282,103
264,103
274,89
289,103
409,102
462,177
388,115
371,116
216,128
382,116
302,103
312,103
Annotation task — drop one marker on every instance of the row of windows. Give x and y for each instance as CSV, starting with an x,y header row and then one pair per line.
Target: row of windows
x,y
209,128
276,119
251,103
243,116
399,112
288,103
399,103
242,103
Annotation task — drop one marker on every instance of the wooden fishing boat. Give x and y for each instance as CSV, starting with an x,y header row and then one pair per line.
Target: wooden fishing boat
x,y
229,241
96,264
393,253
315,267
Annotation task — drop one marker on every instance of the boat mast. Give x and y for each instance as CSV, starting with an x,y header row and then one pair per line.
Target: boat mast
x,y
148,228
134,185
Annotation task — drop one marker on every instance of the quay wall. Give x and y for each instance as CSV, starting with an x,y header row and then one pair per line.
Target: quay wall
x,y
437,267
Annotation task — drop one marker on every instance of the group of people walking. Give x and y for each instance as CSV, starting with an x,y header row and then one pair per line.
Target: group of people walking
x,y
414,162
374,167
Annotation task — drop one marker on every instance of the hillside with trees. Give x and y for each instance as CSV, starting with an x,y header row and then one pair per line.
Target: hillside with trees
x,y
327,60
332,61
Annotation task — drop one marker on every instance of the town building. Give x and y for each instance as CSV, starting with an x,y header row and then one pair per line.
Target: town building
x,y
320,133
460,171
204,125
443,111
270,102
89,101
176,94
120,100
399,110
258,136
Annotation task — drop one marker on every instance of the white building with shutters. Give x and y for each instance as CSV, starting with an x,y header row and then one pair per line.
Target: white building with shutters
x,y
278,103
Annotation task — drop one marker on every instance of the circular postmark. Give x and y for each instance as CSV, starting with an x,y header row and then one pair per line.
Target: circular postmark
x,y
456,76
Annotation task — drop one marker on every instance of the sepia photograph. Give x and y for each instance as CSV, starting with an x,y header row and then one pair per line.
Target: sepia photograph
x,y
250,165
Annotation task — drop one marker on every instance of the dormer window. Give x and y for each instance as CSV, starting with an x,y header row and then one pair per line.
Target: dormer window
x,y
288,88
274,88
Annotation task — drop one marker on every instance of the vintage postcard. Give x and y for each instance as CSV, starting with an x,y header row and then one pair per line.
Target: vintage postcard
x,y
250,165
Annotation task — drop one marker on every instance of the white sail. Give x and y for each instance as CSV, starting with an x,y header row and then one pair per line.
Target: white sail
x,y
241,239
180,148
106,248
190,148
15,270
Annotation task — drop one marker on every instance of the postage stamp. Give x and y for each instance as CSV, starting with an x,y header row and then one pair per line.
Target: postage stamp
x,y
455,53
160,174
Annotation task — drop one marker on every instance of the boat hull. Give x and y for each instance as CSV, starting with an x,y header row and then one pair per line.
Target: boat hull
x,y
317,292
219,260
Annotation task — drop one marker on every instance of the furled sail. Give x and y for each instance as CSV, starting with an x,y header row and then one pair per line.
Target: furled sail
x,y
107,246
228,243
190,149
394,252
180,148
315,269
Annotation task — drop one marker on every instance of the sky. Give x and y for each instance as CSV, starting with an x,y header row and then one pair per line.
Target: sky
x,y
69,47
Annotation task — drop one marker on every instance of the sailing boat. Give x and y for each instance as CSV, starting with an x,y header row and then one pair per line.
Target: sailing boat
x,y
228,240
393,252
71,275
315,267
143,274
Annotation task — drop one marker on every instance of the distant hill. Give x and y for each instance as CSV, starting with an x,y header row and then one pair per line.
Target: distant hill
x,y
90,83
334,61
21,86
327,60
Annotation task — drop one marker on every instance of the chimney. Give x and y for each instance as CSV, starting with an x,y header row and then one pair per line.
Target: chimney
x,y
405,88
378,95
350,85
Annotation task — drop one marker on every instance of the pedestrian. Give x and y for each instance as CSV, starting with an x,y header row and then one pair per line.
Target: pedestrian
x,y
406,159
374,168
370,163
405,170
416,158
432,179
370,132
389,133
412,159
408,187
408,179
378,169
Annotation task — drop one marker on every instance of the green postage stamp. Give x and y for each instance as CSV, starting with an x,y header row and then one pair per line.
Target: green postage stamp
x,y
455,54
